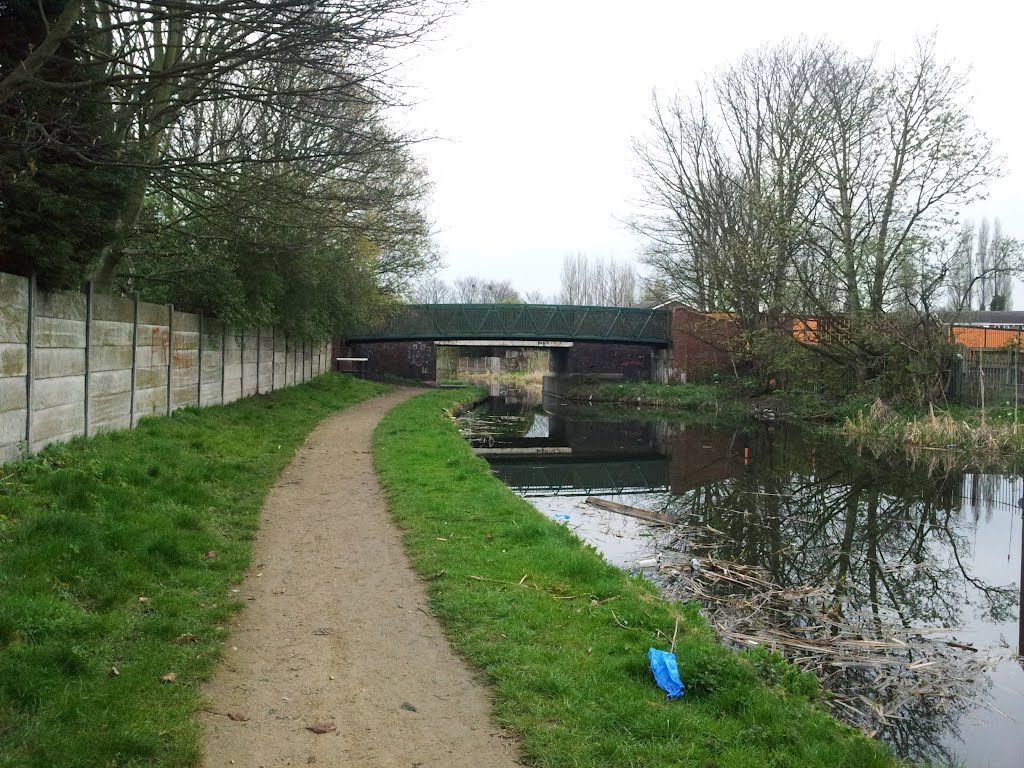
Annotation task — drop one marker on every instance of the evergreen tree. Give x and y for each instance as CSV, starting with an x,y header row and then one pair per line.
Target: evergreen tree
x,y
57,189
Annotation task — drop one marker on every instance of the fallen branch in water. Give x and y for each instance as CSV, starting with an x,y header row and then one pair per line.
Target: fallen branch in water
x,y
628,511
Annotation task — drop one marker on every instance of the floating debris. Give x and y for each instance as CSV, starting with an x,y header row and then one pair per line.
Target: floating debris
x,y
875,669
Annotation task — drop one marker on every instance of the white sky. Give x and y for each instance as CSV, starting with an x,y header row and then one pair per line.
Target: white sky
x,y
535,103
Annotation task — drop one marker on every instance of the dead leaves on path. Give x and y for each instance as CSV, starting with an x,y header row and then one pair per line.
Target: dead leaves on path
x,y
321,728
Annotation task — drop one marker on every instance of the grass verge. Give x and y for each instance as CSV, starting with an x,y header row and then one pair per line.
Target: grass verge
x,y
563,636
116,558
703,398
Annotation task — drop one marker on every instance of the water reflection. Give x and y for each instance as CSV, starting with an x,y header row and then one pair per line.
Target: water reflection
x,y
871,556
888,551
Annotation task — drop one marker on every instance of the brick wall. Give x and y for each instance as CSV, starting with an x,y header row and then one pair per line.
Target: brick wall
x,y
699,345
633,361
408,359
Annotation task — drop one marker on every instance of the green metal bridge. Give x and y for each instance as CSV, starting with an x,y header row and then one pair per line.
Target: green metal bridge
x,y
521,322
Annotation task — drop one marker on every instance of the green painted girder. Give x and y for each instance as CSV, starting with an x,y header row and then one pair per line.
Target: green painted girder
x,y
521,322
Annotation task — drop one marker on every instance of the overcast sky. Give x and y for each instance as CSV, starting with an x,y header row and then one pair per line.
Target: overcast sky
x,y
535,103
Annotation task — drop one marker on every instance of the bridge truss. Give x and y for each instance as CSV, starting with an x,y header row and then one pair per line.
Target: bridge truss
x,y
522,322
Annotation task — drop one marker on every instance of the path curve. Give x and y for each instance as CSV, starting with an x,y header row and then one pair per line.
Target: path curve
x,y
338,631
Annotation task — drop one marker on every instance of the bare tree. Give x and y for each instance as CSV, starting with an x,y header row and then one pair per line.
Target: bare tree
x,y
806,180
468,290
962,269
432,290
984,262
500,292
726,179
476,290
538,297
597,282
1006,256
620,284
981,267
574,278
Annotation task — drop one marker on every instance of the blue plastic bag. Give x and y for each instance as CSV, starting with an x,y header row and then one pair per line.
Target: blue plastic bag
x,y
666,672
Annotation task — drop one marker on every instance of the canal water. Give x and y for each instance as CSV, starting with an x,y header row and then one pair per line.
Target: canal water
x,y
897,580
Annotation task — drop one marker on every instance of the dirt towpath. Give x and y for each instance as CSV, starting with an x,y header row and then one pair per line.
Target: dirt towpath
x,y
338,632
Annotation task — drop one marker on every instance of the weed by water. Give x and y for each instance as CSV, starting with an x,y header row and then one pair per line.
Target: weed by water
x,y
116,558
984,434
562,636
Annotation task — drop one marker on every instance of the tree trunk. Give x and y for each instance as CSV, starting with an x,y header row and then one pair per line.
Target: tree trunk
x,y
106,270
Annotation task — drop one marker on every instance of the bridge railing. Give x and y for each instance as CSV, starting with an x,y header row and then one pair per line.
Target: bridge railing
x,y
522,322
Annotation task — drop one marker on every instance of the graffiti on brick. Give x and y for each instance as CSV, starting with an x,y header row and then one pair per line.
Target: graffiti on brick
x,y
421,355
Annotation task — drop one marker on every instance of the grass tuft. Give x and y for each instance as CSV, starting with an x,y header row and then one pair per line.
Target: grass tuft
x,y
113,548
984,434
563,636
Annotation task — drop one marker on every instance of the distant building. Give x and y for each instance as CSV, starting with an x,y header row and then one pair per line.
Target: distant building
x,y
987,330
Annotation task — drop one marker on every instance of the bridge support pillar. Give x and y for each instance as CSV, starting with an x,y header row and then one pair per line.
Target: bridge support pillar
x,y
559,360
660,365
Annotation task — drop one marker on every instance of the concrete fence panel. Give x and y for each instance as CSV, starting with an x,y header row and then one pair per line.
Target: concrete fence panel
x,y
280,361
265,361
58,367
250,367
13,364
213,362
153,344
185,361
232,366
110,360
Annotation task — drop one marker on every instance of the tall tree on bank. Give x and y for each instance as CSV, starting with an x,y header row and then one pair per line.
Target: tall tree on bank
x,y
282,99
804,181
